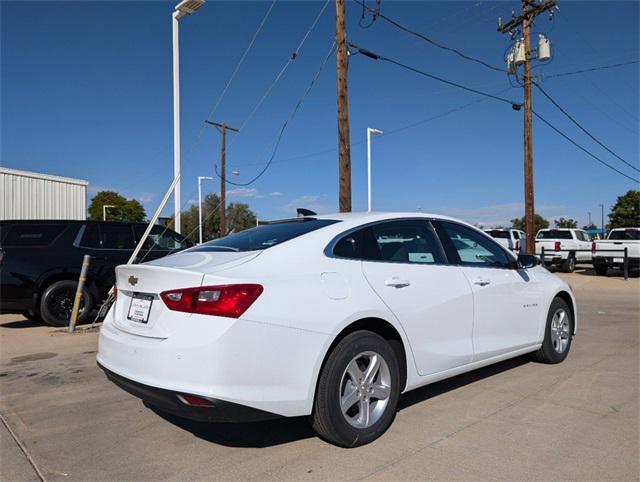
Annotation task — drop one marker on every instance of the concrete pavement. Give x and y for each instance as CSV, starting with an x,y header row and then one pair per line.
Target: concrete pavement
x,y
514,420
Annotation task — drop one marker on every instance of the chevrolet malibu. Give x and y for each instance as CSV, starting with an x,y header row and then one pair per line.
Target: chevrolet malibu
x,y
330,316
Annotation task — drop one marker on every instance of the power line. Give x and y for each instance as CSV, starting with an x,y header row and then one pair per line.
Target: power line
x,y
377,14
285,124
374,56
231,78
241,61
603,67
572,119
386,132
582,148
292,57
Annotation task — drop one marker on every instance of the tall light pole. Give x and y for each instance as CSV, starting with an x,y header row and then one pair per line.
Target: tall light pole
x,y
602,218
200,178
186,7
369,132
104,210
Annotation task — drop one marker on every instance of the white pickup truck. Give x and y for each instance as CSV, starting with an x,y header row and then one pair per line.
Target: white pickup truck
x,y
617,240
565,247
509,238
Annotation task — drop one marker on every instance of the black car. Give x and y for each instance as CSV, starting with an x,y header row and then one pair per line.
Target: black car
x,y
40,263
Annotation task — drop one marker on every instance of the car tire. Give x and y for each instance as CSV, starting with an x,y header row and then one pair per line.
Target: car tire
x,y
558,334
601,269
56,303
569,264
365,417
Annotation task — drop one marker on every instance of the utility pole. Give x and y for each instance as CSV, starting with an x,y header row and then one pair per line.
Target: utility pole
x,y
222,127
530,9
602,218
344,143
589,218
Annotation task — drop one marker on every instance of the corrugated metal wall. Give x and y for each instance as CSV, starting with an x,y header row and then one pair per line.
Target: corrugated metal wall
x,y
28,195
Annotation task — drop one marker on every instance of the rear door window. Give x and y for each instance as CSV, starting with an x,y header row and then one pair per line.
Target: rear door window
x,y
410,241
33,234
90,236
117,236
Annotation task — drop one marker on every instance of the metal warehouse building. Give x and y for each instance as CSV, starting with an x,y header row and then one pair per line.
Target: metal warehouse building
x,y
31,195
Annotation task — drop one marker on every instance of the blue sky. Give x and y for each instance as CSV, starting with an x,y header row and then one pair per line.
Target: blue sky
x,y
87,92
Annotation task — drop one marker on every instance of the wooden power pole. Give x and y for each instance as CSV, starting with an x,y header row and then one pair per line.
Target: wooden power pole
x,y
530,9
344,143
222,127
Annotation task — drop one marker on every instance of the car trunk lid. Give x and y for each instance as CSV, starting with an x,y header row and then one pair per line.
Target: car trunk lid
x,y
139,309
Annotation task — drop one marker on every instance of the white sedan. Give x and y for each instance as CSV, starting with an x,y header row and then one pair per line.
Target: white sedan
x,y
332,316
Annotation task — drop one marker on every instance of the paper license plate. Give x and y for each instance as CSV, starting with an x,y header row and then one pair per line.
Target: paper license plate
x,y
618,260
140,308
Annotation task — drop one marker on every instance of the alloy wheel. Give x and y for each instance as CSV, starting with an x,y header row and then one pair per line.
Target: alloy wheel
x,y
560,330
365,388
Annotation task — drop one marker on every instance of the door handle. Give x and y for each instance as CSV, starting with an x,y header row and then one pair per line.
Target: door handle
x,y
397,282
481,281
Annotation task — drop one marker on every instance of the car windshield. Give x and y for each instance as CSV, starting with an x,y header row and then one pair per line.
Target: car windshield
x,y
263,237
627,234
554,234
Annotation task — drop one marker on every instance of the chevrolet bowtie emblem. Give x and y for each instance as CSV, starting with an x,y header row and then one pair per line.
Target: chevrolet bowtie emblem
x,y
133,280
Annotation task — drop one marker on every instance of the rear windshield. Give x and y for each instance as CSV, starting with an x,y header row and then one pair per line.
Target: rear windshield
x,y
627,234
33,234
265,236
554,234
495,233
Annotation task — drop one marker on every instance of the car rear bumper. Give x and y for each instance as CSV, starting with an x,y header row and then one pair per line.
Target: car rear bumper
x,y
256,365
169,401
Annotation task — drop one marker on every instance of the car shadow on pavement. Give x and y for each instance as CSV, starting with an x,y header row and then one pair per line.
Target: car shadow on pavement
x,y
255,434
611,273
22,324
284,430
433,390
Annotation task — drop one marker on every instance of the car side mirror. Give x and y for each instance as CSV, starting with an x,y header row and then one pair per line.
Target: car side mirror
x,y
526,261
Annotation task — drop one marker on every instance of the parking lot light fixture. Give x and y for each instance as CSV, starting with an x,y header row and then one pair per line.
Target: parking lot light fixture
x,y
104,210
200,179
369,132
186,7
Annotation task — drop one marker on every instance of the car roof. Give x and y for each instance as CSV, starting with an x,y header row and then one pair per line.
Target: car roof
x,y
380,216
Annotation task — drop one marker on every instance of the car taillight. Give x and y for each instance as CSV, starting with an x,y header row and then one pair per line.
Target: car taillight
x,y
557,245
230,301
593,246
517,244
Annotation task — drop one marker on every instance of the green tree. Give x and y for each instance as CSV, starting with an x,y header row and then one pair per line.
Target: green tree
x,y
625,213
566,223
538,223
589,227
124,209
238,216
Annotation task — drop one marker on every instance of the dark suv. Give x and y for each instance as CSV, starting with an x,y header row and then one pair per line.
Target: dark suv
x,y
40,263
